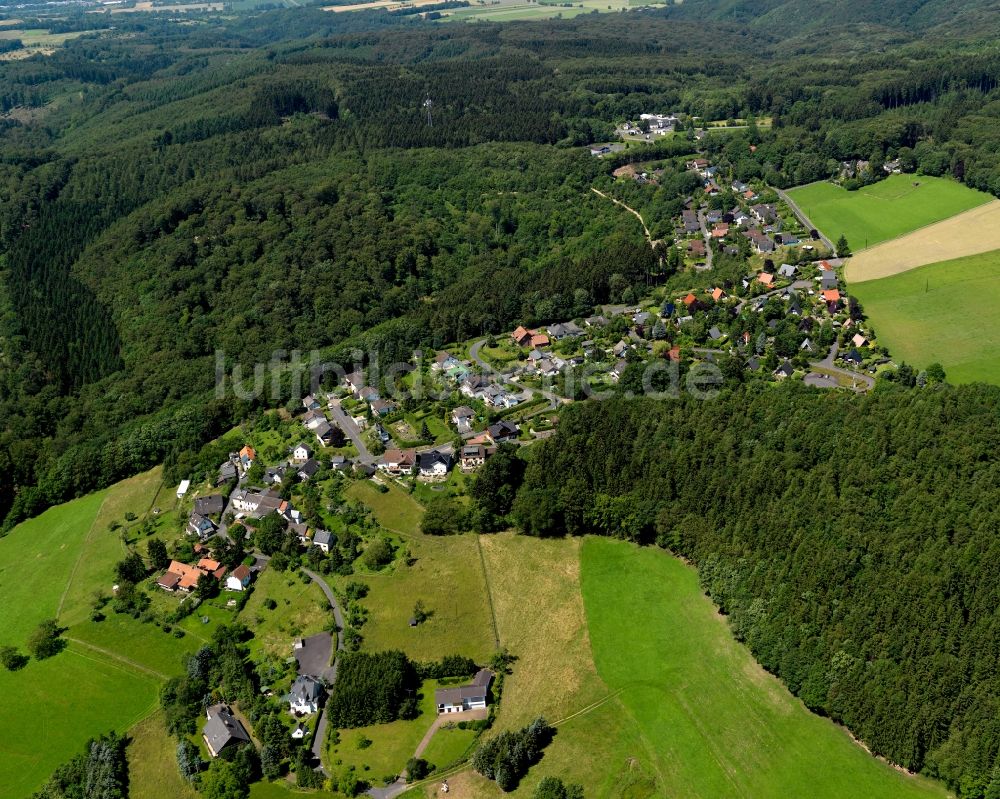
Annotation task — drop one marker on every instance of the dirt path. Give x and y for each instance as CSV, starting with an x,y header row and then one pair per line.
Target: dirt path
x,y
649,237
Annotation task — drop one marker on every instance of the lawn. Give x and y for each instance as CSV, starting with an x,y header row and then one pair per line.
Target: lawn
x,y
285,790
448,746
395,510
886,209
302,611
718,724
391,744
447,577
152,763
944,312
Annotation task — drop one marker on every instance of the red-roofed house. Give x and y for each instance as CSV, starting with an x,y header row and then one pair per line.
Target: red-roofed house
x,y
765,278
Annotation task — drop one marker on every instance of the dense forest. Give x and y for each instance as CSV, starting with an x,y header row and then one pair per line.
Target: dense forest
x,y
270,182
852,543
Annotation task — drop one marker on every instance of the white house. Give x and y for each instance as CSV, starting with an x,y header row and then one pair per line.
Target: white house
x,y
434,463
302,453
467,697
323,539
238,579
182,489
305,694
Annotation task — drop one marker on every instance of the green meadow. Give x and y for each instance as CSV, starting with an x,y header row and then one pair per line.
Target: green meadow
x,y
887,209
717,724
107,677
944,313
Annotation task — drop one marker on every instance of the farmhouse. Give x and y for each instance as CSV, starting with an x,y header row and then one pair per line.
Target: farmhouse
x,y
467,697
223,730
305,695
258,504
182,577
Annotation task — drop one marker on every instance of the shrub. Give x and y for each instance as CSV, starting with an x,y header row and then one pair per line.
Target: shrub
x,y
11,659
45,642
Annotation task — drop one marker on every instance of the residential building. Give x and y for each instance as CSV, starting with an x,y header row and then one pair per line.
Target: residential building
x,y
212,505
466,697
223,730
306,694
239,578
434,463
503,431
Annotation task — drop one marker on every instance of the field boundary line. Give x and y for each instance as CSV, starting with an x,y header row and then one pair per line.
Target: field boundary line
x,y
489,593
589,708
79,558
119,659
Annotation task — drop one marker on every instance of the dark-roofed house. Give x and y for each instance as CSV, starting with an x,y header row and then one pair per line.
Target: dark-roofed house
x,y
305,695
466,697
785,370
212,505
223,730
503,431
324,434
434,463
308,469
323,539
227,473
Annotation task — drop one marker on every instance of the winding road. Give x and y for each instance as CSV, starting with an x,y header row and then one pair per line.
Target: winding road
x,y
319,738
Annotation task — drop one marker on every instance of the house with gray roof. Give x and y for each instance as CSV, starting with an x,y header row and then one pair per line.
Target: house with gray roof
x,y
223,730
306,694
466,697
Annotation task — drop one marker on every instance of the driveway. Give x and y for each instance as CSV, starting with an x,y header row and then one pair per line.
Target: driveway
x,y
805,220
827,365
400,785
328,673
346,423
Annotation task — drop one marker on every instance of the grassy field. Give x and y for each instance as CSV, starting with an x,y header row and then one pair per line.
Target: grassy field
x,y
50,708
886,209
631,660
943,313
302,611
152,763
719,724
970,233
396,510
107,678
391,744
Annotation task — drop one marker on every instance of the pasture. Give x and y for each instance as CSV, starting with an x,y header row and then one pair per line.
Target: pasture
x,y
970,233
152,763
105,678
631,660
944,313
893,207
718,723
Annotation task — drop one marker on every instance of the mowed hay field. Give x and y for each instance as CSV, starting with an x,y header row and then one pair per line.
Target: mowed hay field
x,y
650,694
944,313
49,566
884,210
970,233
